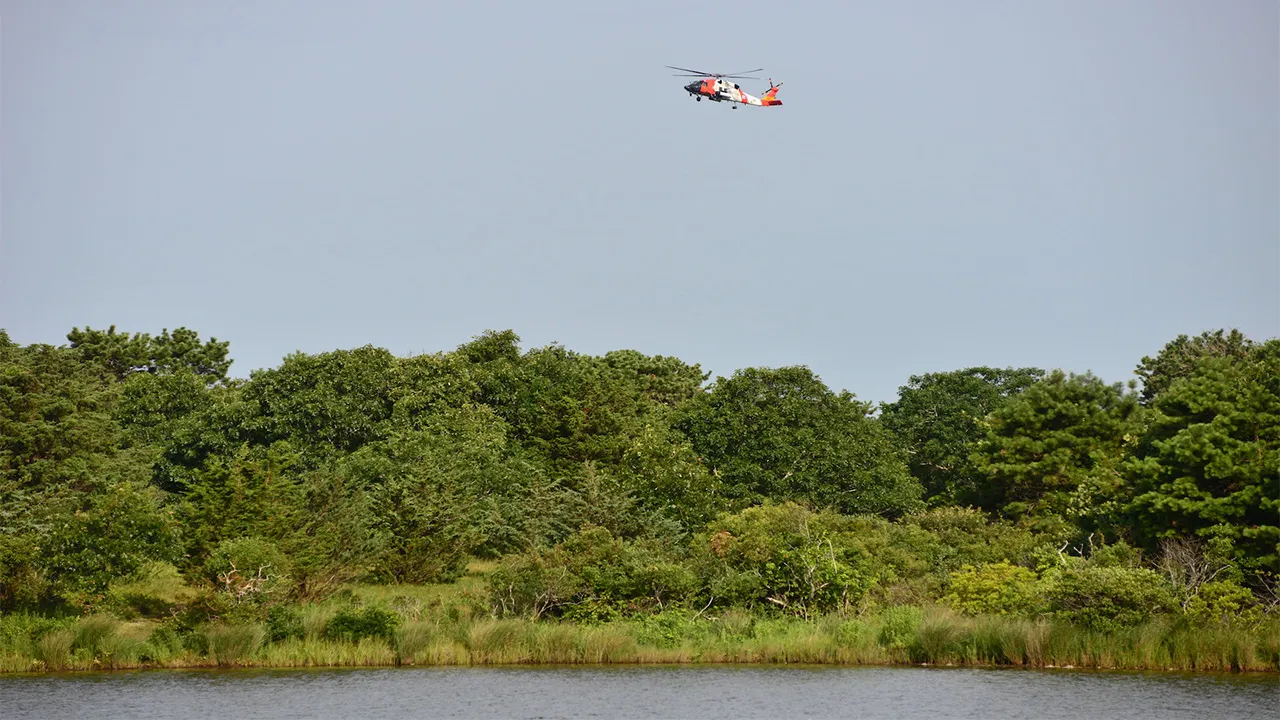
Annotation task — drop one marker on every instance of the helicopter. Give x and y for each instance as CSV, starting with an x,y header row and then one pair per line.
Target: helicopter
x,y
718,87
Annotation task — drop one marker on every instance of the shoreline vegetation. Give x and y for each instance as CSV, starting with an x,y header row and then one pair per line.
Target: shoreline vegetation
x,y
389,626
495,505
939,638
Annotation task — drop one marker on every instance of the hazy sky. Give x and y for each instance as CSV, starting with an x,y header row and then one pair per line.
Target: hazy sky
x,y
1049,183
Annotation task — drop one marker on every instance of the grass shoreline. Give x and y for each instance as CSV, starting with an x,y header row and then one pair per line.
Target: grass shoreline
x,y
898,637
451,625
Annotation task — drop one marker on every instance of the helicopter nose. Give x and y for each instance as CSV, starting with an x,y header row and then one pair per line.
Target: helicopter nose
x,y
692,87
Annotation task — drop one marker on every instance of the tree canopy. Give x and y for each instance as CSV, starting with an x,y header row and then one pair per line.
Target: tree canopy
x,y
120,451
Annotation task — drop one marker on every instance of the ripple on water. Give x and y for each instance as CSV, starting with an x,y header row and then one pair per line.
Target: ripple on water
x,y
640,692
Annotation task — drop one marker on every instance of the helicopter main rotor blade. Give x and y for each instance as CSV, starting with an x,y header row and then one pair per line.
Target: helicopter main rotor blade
x,y
741,73
699,73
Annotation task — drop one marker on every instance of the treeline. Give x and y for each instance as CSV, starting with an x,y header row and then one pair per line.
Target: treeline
x,y
626,484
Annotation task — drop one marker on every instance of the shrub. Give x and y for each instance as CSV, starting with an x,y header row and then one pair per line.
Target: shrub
x,y
354,625
1117,554
996,588
19,631
898,626
850,633
786,558
663,630
164,639
534,584
249,569
1109,598
949,538
21,583
591,576
1223,602
283,623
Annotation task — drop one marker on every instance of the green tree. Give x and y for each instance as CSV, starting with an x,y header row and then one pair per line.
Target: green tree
x,y
447,491
663,472
75,508
1209,463
783,434
150,405
573,410
662,380
56,420
123,354
326,404
96,537
938,418
333,539
1054,451
1178,358
252,493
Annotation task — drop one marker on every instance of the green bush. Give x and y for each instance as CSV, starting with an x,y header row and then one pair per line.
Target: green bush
x,y
354,625
1117,554
18,631
21,583
284,622
786,558
249,569
590,576
664,629
898,626
1223,602
995,588
1109,598
164,640
850,633
948,538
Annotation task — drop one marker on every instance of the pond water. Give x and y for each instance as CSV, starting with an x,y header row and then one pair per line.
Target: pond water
x,y
640,692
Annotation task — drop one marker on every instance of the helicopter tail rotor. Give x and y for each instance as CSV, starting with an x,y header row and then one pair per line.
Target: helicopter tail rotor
x,y
770,96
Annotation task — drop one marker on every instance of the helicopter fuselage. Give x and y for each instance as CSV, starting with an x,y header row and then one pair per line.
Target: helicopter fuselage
x,y
721,90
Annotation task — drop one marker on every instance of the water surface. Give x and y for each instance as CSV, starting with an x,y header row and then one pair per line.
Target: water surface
x,y
640,692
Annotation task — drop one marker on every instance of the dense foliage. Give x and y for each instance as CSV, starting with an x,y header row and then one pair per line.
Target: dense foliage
x,y
138,477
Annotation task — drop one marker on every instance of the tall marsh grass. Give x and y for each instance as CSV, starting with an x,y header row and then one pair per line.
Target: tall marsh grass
x,y
234,644
899,635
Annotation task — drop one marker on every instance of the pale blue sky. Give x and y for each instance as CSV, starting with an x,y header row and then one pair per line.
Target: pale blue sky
x,y
999,182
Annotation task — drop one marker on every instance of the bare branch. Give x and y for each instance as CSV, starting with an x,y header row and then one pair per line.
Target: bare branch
x,y
1184,562
704,607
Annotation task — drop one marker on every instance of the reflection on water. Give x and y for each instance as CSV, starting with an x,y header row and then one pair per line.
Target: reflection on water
x,y
639,692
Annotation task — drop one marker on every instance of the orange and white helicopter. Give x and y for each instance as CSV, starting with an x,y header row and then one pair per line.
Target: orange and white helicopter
x,y
718,87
